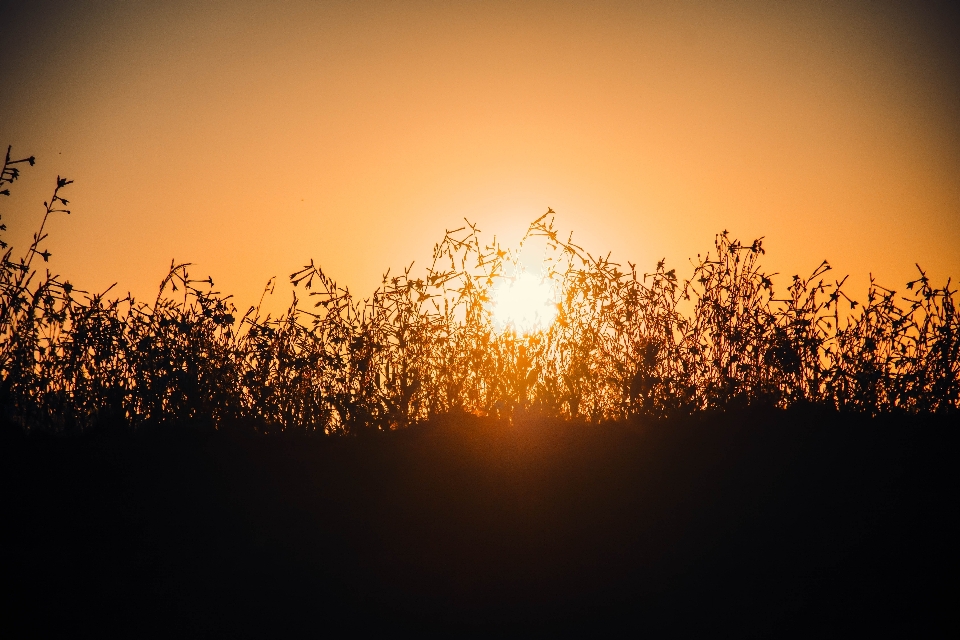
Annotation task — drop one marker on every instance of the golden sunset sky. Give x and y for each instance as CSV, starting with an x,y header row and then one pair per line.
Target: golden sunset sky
x,y
249,137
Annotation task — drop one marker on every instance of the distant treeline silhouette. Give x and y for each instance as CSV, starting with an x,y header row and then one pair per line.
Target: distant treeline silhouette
x,y
623,343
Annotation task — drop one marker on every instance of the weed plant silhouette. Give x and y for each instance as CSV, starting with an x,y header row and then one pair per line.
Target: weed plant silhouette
x,y
624,343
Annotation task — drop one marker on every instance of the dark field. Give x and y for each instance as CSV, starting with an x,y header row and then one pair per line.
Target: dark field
x,y
764,523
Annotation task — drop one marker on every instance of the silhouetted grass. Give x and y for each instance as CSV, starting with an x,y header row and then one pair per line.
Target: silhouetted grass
x,y
624,343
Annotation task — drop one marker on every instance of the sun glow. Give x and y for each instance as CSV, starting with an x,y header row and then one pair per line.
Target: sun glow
x,y
524,304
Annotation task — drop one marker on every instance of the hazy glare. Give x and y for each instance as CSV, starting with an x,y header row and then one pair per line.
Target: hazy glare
x,y
250,137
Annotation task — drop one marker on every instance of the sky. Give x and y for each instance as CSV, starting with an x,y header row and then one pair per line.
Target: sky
x,y
250,137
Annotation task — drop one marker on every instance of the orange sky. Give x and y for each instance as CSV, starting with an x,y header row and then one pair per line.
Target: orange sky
x,y
249,137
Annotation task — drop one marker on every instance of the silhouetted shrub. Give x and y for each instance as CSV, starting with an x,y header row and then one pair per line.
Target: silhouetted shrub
x,y
622,343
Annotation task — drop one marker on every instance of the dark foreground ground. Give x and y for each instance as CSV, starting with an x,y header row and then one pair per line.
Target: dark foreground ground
x,y
759,524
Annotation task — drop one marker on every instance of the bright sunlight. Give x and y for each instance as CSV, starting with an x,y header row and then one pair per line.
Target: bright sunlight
x,y
524,303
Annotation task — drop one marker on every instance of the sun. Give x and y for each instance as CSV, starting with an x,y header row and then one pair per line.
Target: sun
x,y
524,304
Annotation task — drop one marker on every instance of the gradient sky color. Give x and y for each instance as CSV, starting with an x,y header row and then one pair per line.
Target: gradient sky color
x,y
249,137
